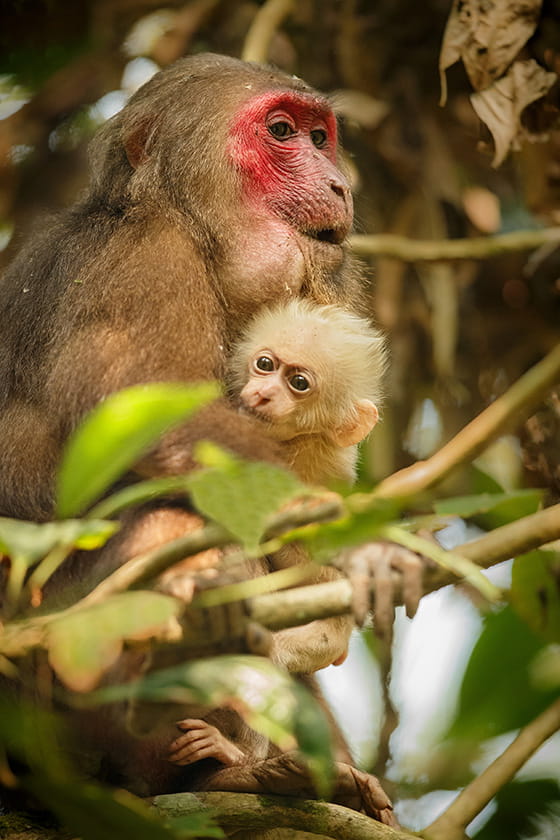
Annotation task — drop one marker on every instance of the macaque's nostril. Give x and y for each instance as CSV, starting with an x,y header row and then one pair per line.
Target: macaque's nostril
x,y
339,189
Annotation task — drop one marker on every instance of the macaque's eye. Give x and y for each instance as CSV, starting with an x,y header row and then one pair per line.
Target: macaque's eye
x,y
265,364
299,382
319,137
281,130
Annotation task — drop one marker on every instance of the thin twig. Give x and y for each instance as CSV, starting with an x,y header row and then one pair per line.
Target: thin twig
x,y
266,22
479,792
522,397
475,248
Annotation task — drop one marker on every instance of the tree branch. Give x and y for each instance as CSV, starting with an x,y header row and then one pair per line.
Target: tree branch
x,y
522,397
257,812
266,22
475,248
470,802
148,566
321,600
293,607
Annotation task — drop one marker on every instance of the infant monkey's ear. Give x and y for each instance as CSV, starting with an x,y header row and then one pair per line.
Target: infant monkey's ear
x,y
355,429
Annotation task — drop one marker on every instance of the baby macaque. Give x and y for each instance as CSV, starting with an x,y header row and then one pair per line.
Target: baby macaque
x,y
313,375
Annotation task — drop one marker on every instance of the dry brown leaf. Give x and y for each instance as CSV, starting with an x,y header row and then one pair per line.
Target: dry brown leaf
x,y
501,105
487,35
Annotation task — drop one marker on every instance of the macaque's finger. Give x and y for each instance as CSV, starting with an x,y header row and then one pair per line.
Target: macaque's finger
x,y
192,723
411,567
205,748
384,608
187,738
360,578
374,800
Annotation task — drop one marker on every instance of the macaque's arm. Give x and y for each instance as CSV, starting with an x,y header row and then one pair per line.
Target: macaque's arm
x,y
287,776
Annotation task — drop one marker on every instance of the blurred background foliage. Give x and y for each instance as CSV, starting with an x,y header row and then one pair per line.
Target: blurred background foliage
x,y
460,333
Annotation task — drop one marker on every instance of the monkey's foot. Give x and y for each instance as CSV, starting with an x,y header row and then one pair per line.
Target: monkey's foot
x,y
287,776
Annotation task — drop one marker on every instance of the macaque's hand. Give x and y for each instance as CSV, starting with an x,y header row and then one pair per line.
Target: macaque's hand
x,y
371,569
201,740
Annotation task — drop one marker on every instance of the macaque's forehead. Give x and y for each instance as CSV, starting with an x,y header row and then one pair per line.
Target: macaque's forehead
x,y
301,346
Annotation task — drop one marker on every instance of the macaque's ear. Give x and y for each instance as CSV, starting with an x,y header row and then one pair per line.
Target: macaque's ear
x,y
354,431
137,141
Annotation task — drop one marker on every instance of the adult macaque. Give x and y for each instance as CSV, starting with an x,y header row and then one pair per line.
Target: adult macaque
x,y
312,374
214,192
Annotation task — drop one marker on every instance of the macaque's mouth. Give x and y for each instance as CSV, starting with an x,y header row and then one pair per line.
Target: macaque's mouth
x,y
333,236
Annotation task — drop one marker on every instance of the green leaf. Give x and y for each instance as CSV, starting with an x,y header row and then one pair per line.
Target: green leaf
x,y
497,694
535,595
82,645
517,806
482,482
492,509
267,698
327,539
196,825
116,433
31,734
32,541
94,813
243,496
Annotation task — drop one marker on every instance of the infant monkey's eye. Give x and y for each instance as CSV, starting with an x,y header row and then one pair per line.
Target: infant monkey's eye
x,y
264,363
299,382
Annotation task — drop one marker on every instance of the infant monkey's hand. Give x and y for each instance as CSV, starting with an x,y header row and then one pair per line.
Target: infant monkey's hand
x,y
202,740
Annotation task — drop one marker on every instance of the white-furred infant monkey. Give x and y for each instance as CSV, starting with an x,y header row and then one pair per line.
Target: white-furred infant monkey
x,y
313,375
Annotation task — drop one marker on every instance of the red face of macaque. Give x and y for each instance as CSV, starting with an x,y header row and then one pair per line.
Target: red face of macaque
x,y
284,145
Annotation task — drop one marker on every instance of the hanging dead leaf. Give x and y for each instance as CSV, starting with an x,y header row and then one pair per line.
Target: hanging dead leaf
x,y
487,36
501,105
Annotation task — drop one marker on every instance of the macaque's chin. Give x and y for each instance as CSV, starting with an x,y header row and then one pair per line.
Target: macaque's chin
x,y
279,428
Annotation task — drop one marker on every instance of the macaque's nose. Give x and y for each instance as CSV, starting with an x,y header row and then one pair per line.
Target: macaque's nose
x,y
255,397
